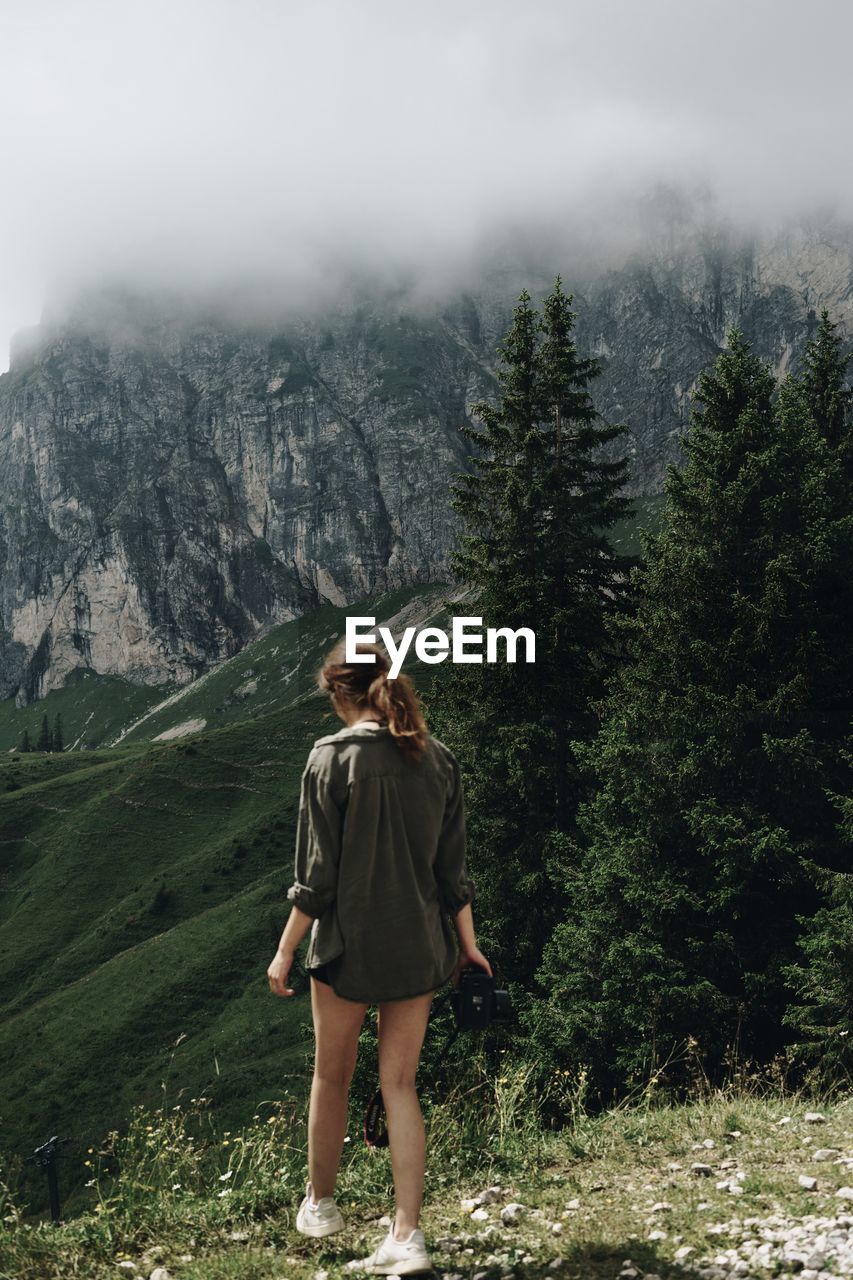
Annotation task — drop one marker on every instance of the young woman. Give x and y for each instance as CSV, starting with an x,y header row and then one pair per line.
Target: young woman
x,y
380,870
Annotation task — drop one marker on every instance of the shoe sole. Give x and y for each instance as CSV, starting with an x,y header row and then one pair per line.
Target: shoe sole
x,y
406,1267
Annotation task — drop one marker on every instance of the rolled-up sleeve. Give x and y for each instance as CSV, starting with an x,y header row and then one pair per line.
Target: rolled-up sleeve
x,y
455,887
318,841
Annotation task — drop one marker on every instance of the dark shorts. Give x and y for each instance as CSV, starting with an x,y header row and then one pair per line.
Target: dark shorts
x,y
321,973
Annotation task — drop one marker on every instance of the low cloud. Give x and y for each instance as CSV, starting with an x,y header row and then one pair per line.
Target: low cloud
x,y
273,149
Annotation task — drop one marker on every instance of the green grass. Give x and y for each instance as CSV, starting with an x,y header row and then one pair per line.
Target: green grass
x,y
142,895
173,1191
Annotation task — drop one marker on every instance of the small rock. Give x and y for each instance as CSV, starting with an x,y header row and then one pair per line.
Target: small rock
x,y
844,1193
784,1120
673,1166
239,1236
660,1206
816,1261
573,1204
385,1220
701,1170
734,1133
554,1264
656,1235
451,1275
480,1215
807,1183
467,1206
651,1275
556,1228
481,1275
741,1267
160,1273
684,1252
511,1214
728,1164
814,1117
825,1153
709,1144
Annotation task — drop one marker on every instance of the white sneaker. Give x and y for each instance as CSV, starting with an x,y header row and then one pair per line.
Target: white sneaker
x,y
319,1219
395,1257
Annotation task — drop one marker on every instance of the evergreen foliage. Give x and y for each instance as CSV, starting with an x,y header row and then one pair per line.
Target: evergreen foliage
x,y
536,509
45,738
57,743
26,743
721,752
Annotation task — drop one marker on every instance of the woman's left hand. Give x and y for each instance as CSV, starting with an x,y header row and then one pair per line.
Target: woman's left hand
x,y
278,973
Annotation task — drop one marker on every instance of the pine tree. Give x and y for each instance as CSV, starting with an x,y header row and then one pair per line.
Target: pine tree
x,y
26,743
821,979
824,377
720,739
536,508
45,741
57,740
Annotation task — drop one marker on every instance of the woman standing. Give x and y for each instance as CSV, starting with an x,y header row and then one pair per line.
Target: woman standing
x,y
379,869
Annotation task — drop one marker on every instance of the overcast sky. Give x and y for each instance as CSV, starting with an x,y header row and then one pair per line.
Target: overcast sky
x,y
206,142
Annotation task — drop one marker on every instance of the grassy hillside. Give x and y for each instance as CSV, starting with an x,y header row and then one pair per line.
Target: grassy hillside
x,y
142,894
274,671
738,1182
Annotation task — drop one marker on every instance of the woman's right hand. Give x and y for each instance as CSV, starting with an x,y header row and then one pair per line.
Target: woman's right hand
x,y
470,956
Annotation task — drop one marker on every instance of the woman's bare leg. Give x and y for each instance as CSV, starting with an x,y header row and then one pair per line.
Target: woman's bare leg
x,y
337,1024
402,1025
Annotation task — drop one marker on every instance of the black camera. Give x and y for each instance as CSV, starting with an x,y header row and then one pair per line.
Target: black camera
x,y
477,1003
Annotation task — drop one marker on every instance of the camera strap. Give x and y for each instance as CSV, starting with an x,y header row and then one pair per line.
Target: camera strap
x,y
375,1132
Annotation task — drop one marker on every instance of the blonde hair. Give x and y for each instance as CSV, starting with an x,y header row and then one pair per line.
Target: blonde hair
x,y
368,686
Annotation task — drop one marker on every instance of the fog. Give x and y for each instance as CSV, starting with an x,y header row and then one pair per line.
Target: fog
x,y
285,146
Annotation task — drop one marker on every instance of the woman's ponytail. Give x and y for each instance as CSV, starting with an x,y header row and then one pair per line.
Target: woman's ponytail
x,y
368,685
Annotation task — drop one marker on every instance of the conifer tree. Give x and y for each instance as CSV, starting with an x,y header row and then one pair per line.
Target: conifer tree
x,y
45,741
536,508
57,740
720,742
821,979
26,743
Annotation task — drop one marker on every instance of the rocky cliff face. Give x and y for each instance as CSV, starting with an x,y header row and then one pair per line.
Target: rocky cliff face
x,y
168,484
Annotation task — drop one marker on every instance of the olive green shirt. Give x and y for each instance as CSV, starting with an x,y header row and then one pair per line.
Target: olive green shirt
x,y
380,863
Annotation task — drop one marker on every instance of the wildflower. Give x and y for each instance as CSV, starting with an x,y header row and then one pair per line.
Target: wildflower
x,y
226,1192
90,1150
223,1177
225,1142
87,1164
271,1120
